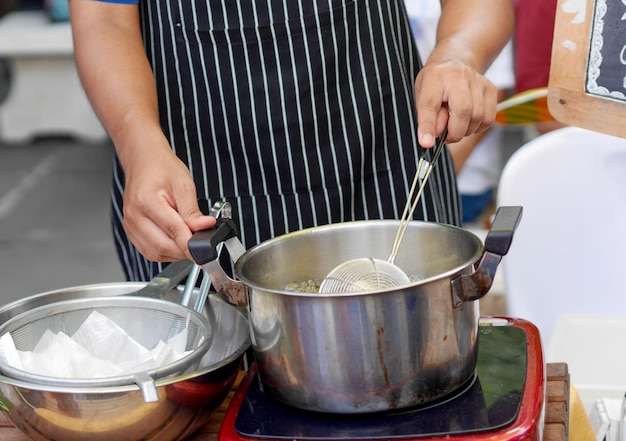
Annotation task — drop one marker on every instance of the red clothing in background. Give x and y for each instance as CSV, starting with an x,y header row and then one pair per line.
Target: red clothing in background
x,y
533,42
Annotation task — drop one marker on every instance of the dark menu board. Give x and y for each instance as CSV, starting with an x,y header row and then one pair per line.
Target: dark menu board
x,y
587,86
606,65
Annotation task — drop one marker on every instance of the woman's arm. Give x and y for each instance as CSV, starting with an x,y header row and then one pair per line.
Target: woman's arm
x,y
450,89
114,69
160,206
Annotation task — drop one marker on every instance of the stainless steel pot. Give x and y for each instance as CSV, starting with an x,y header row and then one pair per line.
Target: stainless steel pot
x,y
362,352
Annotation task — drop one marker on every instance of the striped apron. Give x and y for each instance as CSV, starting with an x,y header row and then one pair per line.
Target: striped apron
x,y
297,112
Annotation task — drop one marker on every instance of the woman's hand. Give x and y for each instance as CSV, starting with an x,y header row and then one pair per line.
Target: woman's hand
x,y
160,206
451,90
453,94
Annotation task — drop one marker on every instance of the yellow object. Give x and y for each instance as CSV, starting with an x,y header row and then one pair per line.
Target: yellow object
x,y
527,107
579,425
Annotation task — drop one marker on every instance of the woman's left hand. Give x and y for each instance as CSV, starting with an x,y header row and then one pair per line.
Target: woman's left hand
x,y
452,94
450,90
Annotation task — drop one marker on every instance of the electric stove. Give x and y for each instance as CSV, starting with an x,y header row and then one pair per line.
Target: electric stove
x,y
505,400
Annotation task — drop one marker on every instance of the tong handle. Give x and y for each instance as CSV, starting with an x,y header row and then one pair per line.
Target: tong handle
x,y
411,202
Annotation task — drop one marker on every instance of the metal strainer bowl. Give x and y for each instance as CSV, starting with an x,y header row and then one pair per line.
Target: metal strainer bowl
x,y
363,275
146,320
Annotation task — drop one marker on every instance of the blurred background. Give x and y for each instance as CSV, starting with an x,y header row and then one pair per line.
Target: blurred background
x,y
54,181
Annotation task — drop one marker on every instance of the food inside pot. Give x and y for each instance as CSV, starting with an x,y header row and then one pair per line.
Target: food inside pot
x,y
312,286
308,286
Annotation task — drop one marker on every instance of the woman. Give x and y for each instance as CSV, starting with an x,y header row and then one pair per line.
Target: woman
x,y
298,113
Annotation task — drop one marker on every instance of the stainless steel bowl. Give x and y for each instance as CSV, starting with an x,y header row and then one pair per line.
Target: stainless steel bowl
x,y
185,402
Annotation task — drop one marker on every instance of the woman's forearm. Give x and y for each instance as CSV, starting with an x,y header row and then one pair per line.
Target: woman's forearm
x,y
473,31
116,74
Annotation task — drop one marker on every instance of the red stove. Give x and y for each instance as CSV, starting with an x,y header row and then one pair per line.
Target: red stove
x,y
505,400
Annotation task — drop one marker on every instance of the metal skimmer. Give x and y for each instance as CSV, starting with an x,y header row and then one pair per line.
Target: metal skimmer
x,y
370,274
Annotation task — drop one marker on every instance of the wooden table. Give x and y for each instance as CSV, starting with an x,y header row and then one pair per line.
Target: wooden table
x,y
556,422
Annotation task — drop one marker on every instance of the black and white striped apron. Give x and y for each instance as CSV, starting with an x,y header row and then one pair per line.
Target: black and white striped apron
x,y
297,112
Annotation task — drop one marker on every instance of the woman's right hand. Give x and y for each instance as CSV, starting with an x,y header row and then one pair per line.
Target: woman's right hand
x,y
160,205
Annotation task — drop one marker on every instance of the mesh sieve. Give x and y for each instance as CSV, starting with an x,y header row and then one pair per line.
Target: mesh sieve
x,y
362,275
148,321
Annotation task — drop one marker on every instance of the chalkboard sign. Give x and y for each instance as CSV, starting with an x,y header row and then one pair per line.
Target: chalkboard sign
x,y
587,86
606,67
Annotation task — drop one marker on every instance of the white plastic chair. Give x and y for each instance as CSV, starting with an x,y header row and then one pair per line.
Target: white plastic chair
x,y
568,254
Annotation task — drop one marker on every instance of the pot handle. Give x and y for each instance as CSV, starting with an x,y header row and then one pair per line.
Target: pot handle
x,y
203,244
203,248
470,287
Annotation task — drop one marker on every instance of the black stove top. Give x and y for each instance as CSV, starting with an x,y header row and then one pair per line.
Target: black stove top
x,y
489,401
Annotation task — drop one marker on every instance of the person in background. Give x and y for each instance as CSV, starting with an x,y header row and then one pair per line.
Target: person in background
x,y
58,10
6,6
478,157
28,5
297,113
534,30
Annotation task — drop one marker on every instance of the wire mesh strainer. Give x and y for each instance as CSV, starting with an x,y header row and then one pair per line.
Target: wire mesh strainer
x,y
369,274
148,321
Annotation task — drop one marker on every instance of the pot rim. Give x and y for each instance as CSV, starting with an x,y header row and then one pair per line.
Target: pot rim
x,y
259,248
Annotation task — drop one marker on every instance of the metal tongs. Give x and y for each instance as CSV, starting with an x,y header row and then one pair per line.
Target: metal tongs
x,y
423,172
370,274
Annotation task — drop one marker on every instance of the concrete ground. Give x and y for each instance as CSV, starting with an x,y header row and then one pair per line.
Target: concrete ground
x,y
54,217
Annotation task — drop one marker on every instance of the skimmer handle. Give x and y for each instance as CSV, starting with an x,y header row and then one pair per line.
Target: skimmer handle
x,y
411,202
